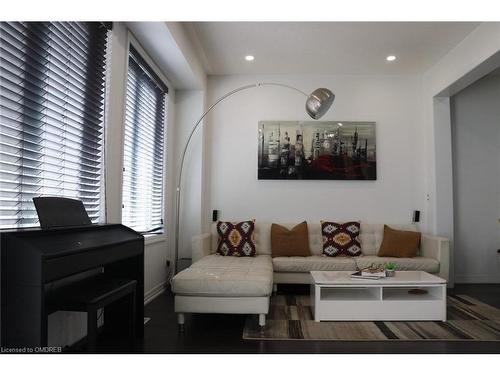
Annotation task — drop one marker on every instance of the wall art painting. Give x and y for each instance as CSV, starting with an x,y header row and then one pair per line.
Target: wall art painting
x,y
320,150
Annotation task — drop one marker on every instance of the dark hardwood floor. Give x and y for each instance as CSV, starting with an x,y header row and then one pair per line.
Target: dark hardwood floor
x,y
221,334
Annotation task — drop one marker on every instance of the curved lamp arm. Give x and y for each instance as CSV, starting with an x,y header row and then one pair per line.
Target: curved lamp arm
x,y
196,125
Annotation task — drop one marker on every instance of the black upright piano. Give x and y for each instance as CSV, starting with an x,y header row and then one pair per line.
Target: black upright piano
x,y
33,260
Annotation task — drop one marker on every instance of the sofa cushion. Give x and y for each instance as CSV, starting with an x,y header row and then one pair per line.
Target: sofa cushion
x,y
217,275
402,264
399,243
313,263
262,237
371,236
236,239
290,242
341,239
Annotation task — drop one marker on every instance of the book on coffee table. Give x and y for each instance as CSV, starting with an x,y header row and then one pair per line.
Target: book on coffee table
x,y
368,275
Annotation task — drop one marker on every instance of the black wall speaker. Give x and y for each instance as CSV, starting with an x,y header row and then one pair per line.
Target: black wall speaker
x,y
215,215
416,216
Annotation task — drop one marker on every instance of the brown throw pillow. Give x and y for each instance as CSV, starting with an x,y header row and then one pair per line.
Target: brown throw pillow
x,y
290,242
399,243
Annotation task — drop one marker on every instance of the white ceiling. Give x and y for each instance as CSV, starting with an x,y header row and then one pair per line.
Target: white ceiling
x,y
326,47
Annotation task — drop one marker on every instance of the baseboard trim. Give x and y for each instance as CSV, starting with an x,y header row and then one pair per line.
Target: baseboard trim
x,y
155,292
477,279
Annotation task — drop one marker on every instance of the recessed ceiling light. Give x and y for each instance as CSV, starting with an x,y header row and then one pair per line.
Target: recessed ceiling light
x,y
249,58
391,58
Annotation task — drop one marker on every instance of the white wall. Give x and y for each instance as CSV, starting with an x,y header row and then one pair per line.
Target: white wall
x,y
189,106
476,180
393,102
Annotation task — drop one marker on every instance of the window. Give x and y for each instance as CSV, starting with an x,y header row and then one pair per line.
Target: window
x,y
143,147
52,81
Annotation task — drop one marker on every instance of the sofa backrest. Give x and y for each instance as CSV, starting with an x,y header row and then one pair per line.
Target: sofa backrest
x,y
370,236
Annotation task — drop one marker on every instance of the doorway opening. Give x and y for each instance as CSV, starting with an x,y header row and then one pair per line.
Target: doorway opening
x,y
475,136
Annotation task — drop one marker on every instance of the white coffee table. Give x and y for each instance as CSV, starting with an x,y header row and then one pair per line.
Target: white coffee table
x,y
335,296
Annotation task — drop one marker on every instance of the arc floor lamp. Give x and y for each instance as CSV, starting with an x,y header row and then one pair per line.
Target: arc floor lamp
x,y
317,104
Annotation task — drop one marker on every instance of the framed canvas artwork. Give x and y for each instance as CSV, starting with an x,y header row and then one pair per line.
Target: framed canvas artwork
x,y
320,150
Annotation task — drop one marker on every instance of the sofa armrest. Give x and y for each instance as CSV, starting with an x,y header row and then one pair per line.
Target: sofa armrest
x,y
437,248
200,246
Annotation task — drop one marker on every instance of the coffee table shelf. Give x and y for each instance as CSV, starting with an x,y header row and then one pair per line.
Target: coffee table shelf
x,y
337,297
402,294
350,294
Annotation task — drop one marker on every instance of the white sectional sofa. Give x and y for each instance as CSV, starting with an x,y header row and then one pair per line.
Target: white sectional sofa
x,y
218,284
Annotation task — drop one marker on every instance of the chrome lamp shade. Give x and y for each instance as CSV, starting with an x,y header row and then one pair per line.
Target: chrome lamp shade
x,y
319,102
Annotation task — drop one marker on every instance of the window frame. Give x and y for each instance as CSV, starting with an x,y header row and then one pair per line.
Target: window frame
x,y
132,41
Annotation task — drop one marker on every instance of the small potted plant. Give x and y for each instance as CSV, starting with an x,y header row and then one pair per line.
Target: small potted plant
x,y
390,269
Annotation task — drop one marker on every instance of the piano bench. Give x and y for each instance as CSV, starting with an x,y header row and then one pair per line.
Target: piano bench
x,y
90,295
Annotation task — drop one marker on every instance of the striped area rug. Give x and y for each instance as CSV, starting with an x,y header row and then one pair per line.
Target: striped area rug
x,y
290,318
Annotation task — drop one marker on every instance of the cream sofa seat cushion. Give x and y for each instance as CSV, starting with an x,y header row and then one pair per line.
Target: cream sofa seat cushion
x,y
226,276
403,264
313,263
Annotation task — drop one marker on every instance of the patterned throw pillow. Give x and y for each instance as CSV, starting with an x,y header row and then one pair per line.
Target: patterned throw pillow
x,y
341,239
236,239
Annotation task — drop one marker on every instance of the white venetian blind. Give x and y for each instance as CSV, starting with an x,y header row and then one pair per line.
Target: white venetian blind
x,y
52,81
144,147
